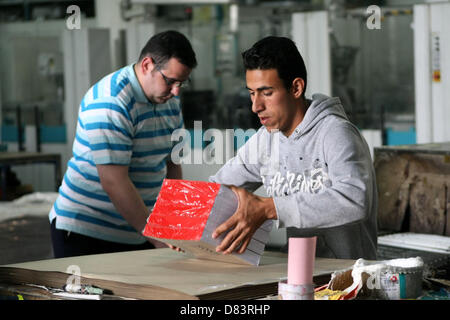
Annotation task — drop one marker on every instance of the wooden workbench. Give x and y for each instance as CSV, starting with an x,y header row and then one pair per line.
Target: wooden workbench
x,y
164,274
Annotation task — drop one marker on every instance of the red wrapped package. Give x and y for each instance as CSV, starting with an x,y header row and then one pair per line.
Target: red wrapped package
x,y
187,212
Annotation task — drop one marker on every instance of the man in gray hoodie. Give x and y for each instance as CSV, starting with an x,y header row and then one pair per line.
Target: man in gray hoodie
x,y
314,164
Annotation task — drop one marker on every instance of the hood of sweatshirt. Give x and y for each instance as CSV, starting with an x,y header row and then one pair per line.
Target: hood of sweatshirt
x,y
320,106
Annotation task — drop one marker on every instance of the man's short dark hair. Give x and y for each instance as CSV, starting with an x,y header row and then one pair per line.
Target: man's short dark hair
x,y
169,44
278,53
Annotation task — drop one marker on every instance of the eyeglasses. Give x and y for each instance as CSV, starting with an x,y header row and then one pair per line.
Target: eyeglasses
x,y
170,82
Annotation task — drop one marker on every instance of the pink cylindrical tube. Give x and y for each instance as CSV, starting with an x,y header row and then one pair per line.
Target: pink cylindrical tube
x,y
301,256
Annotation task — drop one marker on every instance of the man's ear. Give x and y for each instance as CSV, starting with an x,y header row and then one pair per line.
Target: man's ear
x,y
298,86
147,65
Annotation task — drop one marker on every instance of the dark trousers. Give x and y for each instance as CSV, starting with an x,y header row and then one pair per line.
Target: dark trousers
x,y
70,244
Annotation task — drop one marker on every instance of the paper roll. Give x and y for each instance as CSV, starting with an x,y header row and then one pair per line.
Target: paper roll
x,y
301,257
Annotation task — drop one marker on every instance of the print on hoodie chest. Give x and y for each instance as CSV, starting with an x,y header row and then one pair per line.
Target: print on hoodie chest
x,y
312,180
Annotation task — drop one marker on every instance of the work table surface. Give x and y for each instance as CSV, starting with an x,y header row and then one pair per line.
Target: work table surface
x,y
180,272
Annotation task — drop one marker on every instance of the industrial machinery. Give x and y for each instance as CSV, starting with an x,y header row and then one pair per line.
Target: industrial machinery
x,y
392,80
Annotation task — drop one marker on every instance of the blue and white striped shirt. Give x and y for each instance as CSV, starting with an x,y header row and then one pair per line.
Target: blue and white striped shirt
x,y
116,125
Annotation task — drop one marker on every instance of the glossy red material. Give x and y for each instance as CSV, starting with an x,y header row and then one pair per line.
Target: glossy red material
x,y
181,210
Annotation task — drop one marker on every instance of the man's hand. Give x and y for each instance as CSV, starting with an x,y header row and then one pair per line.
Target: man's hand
x,y
175,248
251,213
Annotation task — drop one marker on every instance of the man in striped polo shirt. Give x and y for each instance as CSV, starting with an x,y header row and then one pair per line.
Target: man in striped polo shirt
x,y
121,152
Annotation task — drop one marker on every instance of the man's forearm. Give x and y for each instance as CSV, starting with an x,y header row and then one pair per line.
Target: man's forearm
x,y
125,197
267,206
129,204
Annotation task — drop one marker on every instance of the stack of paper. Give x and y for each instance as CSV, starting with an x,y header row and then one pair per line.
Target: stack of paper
x,y
417,241
186,214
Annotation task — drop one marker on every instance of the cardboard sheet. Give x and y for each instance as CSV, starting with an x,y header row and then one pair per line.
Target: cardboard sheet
x,y
167,274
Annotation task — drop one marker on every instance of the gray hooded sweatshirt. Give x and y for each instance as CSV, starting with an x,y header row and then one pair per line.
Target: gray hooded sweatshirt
x,y
321,179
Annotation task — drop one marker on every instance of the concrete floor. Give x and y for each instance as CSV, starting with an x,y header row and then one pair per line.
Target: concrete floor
x,y
25,239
